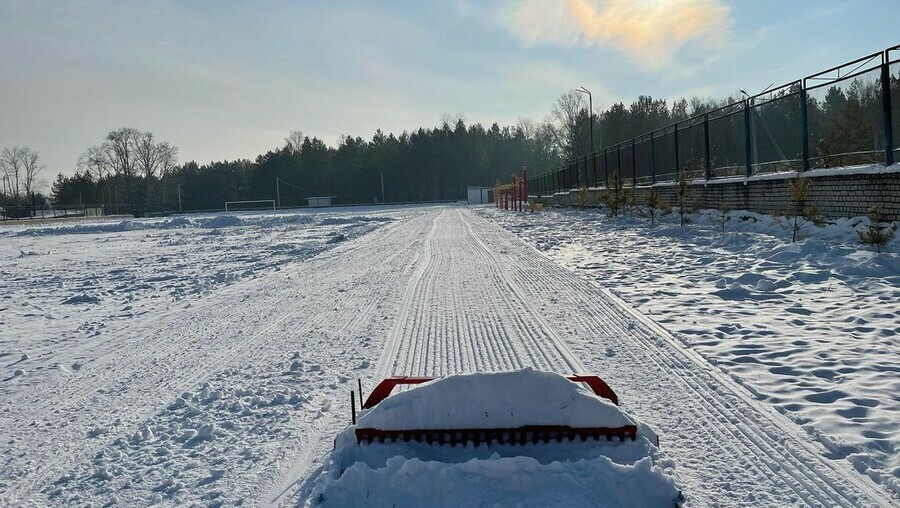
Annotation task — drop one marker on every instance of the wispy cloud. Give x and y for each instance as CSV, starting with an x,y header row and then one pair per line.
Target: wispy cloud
x,y
651,31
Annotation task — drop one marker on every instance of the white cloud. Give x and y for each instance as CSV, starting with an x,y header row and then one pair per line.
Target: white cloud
x,y
650,31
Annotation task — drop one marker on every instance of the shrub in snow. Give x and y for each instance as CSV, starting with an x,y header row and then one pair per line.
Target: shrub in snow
x,y
629,201
581,198
801,214
613,197
877,233
655,205
723,216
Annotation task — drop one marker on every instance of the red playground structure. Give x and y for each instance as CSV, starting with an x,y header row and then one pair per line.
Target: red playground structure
x,y
513,195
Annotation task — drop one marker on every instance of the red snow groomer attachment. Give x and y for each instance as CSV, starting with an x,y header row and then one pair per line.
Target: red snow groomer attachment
x,y
521,435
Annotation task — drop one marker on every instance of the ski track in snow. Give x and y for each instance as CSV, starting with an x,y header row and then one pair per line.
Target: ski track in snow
x,y
483,301
810,328
238,397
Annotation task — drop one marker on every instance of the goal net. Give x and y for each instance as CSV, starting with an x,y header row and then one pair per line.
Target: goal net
x,y
260,204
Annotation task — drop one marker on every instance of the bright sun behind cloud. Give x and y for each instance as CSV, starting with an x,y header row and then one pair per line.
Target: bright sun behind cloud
x,y
651,31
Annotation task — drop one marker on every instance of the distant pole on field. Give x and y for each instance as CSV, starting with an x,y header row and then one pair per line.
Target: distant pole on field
x,y
179,197
525,180
277,193
382,188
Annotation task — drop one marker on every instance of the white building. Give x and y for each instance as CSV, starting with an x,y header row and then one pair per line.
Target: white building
x,y
319,200
479,195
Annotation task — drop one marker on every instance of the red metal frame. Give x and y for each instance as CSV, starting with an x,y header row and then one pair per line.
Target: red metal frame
x,y
384,388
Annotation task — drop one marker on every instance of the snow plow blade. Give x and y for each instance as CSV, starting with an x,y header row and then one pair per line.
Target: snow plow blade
x,y
528,434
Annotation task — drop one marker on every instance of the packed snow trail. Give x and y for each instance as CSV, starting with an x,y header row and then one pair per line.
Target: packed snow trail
x,y
237,397
482,300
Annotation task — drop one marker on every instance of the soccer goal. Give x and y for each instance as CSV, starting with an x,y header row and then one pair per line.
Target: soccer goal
x,y
260,204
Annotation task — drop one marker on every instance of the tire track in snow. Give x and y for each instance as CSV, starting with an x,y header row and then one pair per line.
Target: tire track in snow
x,y
787,467
462,300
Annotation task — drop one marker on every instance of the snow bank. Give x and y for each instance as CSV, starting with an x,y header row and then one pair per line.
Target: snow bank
x,y
501,481
214,221
811,327
495,400
589,473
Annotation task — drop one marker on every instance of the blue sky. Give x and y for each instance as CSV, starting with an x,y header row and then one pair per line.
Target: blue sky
x,y
226,79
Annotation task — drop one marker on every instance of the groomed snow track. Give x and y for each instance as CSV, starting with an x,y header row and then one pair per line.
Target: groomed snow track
x,y
437,292
481,300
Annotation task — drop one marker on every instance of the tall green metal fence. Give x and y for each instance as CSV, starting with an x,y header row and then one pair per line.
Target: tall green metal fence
x,y
847,115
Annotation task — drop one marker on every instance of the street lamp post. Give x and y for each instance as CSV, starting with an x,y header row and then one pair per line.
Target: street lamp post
x,y
591,121
590,111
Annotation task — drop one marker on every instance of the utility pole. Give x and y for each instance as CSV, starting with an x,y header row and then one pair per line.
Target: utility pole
x,y
277,193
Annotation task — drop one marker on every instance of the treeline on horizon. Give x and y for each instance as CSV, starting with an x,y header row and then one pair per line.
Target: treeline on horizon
x,y
426,164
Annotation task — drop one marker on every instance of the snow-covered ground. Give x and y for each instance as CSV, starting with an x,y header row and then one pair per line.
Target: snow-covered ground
x,y
812,328
616,472
208,360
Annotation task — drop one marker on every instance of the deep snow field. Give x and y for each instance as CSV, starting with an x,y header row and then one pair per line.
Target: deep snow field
x,y
206,360
62,284
92,342
812,328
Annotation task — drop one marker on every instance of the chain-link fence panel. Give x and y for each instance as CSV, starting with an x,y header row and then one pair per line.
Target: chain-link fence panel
x,y
776,131
664,154
846,121
728,141
692,148
643,159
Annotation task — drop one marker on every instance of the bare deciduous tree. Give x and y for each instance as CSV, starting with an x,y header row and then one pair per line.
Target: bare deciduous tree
x,y
565,118
96,162
527,127
31,167
128,153
20,166
294,141
11,164
147,155
121,144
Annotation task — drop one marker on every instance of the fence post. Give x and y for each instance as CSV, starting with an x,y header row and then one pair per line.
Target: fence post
x,y
652,157
594,168
633,165
587,179
804,127
706,146
585,174
619,164
519,190
886,107
677,161
748,149
605,168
